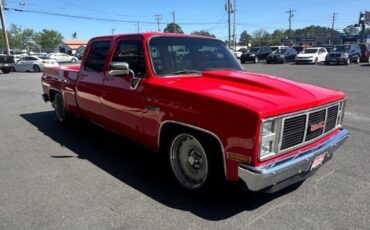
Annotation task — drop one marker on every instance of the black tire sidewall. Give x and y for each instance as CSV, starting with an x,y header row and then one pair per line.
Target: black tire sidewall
x,y
215,174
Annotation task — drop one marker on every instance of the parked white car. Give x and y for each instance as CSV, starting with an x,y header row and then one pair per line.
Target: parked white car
x,y
239,52
62,57
36,64
278,47
312,55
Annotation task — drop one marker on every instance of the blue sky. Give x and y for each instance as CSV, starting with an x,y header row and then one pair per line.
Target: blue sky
x,y
190,15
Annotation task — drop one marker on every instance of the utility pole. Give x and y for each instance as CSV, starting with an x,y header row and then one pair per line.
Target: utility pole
x,y
5,34
174,22
332,28
228,8
291,15
158,18
361,22
113,29
234,38
138,26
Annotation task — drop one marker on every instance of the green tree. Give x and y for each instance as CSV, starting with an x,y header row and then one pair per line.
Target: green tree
x,y
203,33
170,28
351,30
261,37
48,38
245,38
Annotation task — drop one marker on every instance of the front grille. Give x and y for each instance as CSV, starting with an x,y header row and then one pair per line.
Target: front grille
x,y
331,119
334,55
308,126
316,124
293,132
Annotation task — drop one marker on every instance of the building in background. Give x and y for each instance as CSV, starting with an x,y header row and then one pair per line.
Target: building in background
x,y
71,46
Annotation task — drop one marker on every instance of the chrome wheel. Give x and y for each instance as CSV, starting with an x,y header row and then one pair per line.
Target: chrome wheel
x,y
59,108
188,161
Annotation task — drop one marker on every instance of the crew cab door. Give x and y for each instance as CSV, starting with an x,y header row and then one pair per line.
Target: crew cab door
x,y
89,88
122,105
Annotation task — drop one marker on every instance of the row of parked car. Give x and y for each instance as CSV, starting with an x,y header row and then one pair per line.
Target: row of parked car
x,y
35,62
340,54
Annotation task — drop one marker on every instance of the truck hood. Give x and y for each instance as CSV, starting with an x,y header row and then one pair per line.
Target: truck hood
x,y
266,95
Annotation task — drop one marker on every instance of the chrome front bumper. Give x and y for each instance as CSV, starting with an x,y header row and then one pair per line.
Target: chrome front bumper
x,y
289,170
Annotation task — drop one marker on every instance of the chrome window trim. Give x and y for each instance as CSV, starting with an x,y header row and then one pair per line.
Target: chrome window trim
x,y
196,128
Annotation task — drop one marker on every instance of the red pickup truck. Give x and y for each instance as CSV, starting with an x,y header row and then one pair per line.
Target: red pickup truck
x,y
189,98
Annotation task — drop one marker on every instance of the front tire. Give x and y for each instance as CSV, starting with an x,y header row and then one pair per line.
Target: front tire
x,y
73,60
316,61
358,60
256,60
60,112
195,160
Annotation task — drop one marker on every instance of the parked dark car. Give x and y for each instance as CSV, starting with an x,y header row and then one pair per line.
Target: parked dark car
x,y
329,48
79,55
299,49
344,54
282,56
365,51
256,54
7,63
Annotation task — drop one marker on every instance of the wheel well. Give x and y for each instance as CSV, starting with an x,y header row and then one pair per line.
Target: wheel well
x,y
52,93
168,130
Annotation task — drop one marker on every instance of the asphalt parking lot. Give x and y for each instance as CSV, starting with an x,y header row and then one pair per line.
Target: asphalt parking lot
x,y
80,176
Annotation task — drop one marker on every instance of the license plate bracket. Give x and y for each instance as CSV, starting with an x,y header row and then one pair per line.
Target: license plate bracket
x,y
318,160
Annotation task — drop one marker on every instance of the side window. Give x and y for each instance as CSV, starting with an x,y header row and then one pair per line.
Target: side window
x,y
131,52
97,55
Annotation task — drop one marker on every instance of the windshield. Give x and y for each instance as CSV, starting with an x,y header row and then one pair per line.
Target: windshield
x,y
310,51
341,48
280,51
201,54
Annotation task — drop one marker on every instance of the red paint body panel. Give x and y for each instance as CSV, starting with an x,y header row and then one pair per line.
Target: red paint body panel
x,y
229,104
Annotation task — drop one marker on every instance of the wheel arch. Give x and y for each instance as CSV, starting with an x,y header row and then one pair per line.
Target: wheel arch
x,y
167,128
52,93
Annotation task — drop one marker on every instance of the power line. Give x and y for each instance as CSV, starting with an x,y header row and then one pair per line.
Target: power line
x,y
101,19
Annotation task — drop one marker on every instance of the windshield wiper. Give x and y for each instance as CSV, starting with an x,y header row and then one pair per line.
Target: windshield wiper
x,y
186,71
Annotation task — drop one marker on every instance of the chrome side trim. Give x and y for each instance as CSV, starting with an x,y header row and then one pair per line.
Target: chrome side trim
x,y
196,128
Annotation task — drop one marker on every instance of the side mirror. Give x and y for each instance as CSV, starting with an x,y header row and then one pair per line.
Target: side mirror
x,y
119,69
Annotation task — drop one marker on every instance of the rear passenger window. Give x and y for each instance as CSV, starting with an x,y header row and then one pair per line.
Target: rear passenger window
x,y
97,55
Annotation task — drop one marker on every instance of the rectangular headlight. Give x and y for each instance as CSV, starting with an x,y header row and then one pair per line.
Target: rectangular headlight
x,y
270,131
341,109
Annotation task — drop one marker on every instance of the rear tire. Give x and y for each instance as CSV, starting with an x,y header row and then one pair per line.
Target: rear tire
x,y
36,68
6,70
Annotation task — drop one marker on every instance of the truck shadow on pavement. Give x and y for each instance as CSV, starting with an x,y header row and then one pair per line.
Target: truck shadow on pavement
x,y
144,170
